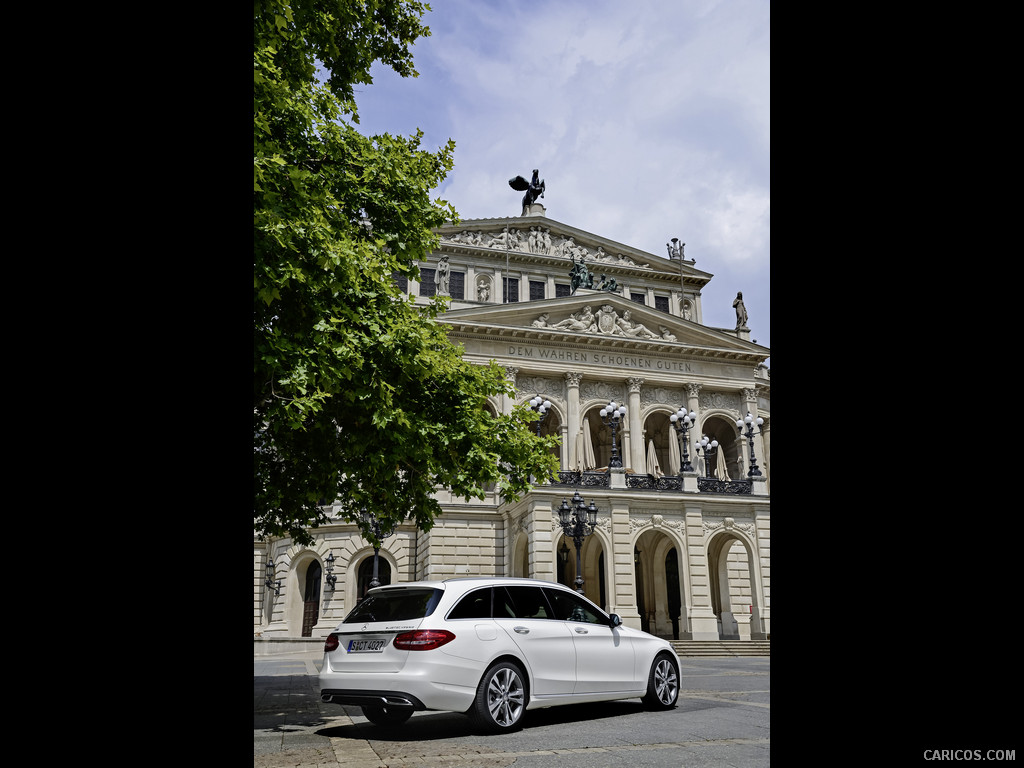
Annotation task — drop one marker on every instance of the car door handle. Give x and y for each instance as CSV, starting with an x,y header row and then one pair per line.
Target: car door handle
x,y
581,631
521,630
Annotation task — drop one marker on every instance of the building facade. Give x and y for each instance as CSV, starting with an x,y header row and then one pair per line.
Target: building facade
x,y
681,546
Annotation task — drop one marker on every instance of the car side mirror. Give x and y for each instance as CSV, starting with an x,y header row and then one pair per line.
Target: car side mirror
x,y
615,620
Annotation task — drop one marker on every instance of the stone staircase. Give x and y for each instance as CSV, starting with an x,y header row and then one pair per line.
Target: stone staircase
x,y
713,648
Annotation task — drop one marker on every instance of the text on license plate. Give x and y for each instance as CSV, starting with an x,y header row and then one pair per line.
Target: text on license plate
x,y
372,645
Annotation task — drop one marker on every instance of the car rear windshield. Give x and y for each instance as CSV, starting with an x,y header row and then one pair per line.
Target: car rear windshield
x,y
399,604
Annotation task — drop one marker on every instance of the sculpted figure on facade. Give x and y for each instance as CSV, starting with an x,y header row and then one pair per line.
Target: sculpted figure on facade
x,y
634,330
666,334
444,272
541,322
741,310
483,289
467,237
580,321
502,239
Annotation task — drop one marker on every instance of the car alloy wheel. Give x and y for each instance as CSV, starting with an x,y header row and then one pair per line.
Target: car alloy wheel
x,y
663,684
500,699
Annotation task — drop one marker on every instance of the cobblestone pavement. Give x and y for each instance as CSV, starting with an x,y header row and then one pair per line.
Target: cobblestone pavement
x,y
723,718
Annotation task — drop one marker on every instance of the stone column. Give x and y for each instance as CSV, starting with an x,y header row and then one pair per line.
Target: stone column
x,y
637,460
623,594
508,401
696,430
703,622
573,417
761,617
542,561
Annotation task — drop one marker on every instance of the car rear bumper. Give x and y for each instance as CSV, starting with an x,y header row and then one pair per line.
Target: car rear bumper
x,y
357,698
433,687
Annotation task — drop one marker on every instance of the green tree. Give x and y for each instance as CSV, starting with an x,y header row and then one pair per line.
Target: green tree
x,y
358,395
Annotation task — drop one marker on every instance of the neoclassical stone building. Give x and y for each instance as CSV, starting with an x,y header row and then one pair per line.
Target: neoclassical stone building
x,y
682,554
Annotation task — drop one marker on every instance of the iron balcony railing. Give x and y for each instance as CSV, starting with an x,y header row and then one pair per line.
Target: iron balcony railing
x,y
652,483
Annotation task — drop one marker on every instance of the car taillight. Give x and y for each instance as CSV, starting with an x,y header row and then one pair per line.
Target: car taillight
x,y
422,639
331,644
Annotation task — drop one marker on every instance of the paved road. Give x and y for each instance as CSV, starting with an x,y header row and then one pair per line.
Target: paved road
x,y
722,719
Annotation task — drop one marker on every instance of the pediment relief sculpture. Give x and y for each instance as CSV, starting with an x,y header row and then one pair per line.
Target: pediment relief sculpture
x,y
539,240
606,321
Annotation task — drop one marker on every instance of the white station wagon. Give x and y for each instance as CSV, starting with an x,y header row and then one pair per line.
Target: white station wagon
x,y
491,648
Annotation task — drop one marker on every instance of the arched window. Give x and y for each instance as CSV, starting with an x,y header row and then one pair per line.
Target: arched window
x,y
366,574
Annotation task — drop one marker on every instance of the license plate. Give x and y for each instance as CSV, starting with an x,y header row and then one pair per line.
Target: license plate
x,y
369,645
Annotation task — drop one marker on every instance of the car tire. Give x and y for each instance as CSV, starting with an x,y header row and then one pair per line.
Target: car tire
x,y
662,683
389,716
501,699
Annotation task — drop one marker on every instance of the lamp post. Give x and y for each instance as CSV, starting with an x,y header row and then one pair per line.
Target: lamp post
x,y
682,421
563,558
541,406
575,521
708,446
379,534
612,416
749,422
270,583
331,579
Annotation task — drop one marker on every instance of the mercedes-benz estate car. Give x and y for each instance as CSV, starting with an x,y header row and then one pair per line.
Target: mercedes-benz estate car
x,y
491,648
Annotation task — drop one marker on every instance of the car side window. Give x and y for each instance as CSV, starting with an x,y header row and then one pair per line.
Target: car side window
x,y
504,608
475,605
570,607
529,603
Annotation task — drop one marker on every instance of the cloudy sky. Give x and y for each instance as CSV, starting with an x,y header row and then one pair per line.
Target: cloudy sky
x,y
647,119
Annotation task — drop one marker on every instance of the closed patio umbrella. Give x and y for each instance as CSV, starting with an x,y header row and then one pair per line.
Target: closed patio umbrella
x,y
653,468
674,459
589,459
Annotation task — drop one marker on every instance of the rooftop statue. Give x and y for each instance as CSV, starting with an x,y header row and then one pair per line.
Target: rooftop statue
x,y
533,189
580,276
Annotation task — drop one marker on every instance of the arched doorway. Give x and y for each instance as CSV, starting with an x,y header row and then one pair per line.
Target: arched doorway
x,y
675,602
521,557
731,586
366,575
659,585
311,598
593,563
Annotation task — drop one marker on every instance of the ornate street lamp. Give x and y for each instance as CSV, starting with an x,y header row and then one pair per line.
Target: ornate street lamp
x,y
331,579
270,582
541,406
749,422
612,416
707,448
379,535
575,521
682,421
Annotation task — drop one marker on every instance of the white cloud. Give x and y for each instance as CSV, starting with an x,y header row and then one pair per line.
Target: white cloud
x,y
648,120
